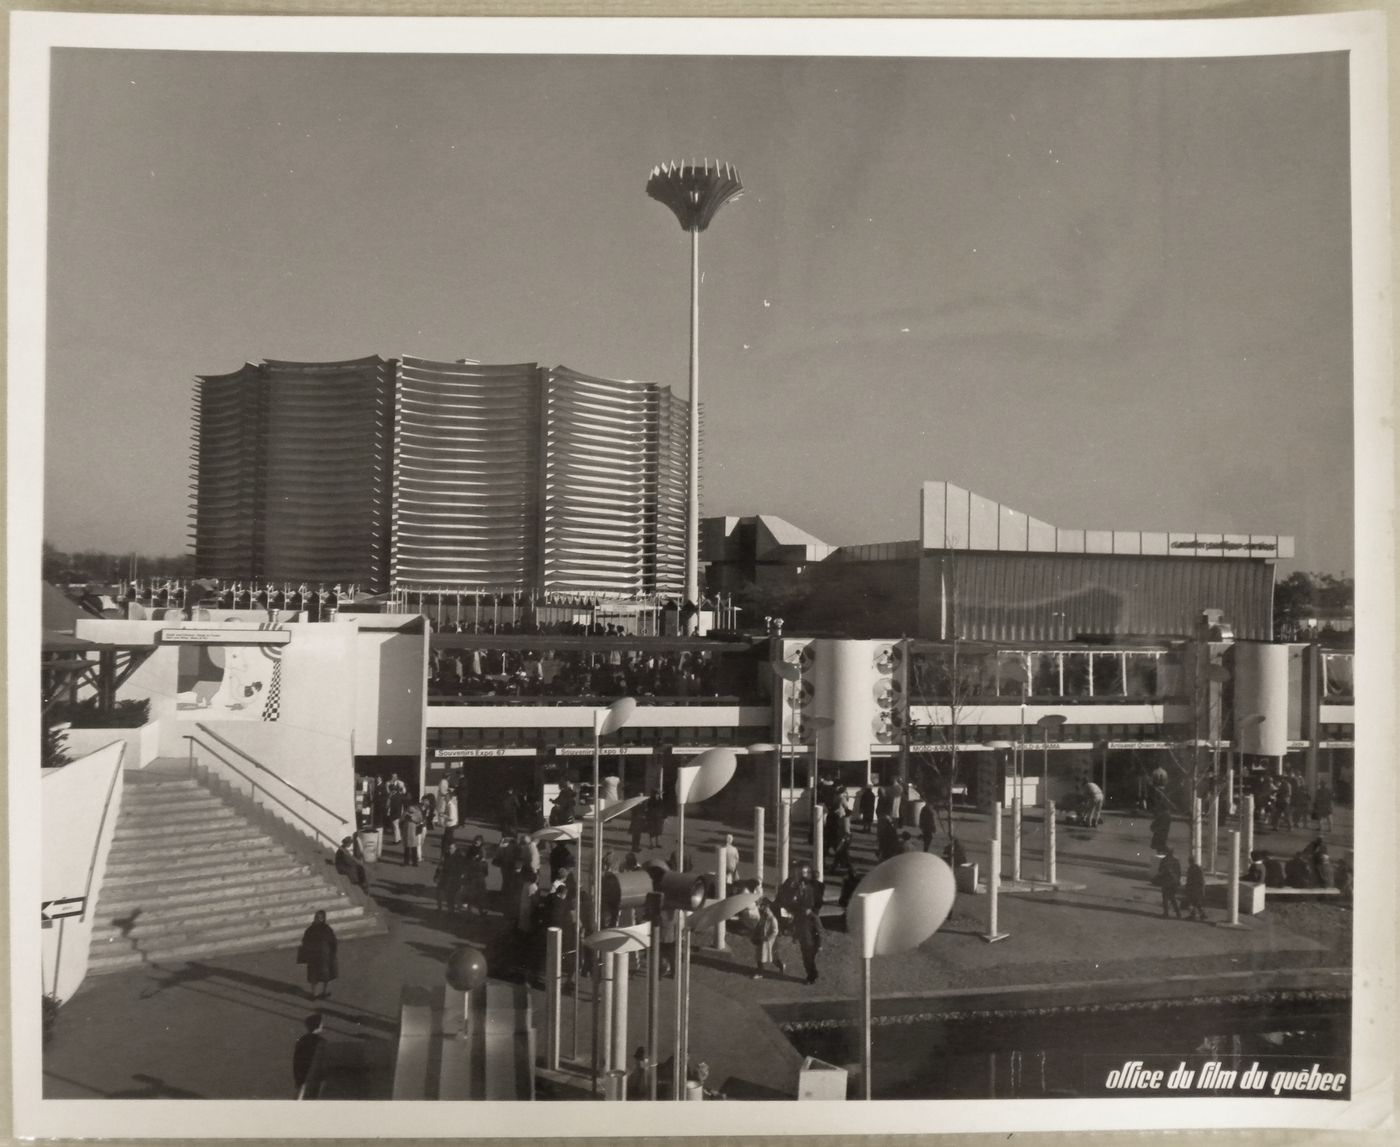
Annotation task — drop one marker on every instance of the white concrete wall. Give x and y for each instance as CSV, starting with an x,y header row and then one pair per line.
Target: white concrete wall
x,y
142,744
80,802
581,716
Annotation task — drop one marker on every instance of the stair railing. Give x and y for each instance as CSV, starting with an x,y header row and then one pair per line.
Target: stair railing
x,y
316,831
101,828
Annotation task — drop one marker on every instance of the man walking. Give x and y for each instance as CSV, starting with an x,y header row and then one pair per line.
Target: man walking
x,y
1094,803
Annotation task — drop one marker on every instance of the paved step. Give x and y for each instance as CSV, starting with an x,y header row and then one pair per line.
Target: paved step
x,y
134,862
193,877
290,907
249,894
164,837
209,814
115,960
190,871
177,881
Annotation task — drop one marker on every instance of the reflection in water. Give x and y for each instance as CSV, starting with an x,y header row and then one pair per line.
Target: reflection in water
x,y
1064,1052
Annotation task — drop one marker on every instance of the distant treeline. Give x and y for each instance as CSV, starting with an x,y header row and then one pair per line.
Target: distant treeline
x,y
64,567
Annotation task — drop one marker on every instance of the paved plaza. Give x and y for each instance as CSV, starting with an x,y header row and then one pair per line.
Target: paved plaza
x,y
150,1032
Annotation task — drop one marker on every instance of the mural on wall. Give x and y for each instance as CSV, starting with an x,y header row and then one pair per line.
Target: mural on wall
x,y
233,682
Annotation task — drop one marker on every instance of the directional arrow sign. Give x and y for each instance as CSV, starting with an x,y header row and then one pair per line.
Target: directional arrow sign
x,y
68,906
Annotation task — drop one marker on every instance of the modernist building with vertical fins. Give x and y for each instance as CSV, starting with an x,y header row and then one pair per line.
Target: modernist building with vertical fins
x,y
411,473
292,472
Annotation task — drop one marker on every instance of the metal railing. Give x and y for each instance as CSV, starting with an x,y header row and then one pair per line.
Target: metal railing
x,y
319,833
97,844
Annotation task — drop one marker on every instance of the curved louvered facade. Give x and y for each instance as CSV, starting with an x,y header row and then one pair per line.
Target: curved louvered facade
x,y
467,475
292,473
441,475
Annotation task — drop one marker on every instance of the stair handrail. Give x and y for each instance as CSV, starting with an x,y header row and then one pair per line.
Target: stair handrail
x,y
101,825
320,833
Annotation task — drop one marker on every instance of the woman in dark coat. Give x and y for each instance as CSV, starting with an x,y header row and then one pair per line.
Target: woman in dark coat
x,y
317,952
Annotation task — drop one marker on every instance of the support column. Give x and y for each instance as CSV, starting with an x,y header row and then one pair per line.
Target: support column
x,y
605,1010
758,845
1016,838
1234,878
721,891
619,1019
994,932
1195,850
1050,833
1247,824
819,844
553,974
784,838
1214,829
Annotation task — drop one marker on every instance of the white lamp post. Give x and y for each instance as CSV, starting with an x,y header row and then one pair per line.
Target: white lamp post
x,y
898,905
696,782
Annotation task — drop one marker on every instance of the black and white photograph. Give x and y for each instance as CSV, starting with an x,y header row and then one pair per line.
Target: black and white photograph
x,y
838,571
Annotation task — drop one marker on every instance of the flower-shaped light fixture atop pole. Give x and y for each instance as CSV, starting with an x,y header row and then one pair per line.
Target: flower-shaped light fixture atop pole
x,y
694,193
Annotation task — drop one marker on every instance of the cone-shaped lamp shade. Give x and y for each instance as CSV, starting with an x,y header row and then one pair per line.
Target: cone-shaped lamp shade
x,y
923,889
636,938
618,714
557,832
720,910
711,771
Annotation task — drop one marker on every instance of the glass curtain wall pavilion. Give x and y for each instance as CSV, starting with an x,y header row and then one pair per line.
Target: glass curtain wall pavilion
x,y
467,475
292,472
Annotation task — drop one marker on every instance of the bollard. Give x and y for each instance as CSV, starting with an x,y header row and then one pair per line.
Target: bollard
x,y
758,845
819,845
784,839
1234,877
721,891
1247,823
1015,838
553,973
1050,828
1214,827
1229,791
1195,850
994,879
619,1021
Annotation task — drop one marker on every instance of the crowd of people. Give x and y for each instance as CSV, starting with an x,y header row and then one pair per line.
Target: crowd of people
x,y
613,672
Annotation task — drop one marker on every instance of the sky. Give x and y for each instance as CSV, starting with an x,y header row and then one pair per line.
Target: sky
x,y
1111,294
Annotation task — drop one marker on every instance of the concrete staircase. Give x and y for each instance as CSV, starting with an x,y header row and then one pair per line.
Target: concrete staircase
x,y
191,876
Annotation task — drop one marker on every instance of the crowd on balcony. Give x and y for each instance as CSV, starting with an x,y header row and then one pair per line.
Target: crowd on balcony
x,y
607,672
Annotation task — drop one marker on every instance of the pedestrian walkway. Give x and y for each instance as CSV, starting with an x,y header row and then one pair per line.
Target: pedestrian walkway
x,y
148,1033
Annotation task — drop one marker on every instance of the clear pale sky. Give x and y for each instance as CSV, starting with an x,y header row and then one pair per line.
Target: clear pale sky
x,y
1112,294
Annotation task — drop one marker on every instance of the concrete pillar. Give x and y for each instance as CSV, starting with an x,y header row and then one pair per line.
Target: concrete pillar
x,y
1247,824
784,838
721,891
994,932
619,1020
605,1011
1214,828
1234,877
1016,838
553,974
759,845
1195,850
819,844
1050,832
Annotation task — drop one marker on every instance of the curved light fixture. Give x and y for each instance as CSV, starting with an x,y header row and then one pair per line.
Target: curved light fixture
x,y
694,193
719,911
616,715
922,891
707,775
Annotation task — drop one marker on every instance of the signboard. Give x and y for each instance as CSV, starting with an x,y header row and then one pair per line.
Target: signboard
x,y
210,636
624,751
452,754
65,906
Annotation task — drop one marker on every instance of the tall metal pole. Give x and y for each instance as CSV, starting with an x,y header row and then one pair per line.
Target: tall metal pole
x,y
677,1069
619,1024
692,506
687,939
553,968
653,1001
596,889
866,1053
